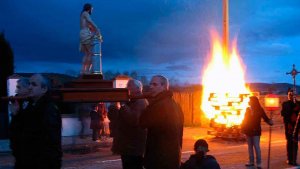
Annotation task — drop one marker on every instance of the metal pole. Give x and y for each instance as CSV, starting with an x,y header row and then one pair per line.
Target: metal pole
x,y
270,137
225,29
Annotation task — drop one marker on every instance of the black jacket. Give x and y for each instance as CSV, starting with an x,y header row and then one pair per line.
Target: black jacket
x,y
132,138
251,125
164,120
41,135
206,162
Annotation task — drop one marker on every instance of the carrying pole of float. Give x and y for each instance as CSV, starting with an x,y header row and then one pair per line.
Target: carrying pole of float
x,y
225,30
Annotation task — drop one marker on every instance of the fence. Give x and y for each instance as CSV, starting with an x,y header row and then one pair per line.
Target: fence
x,y
190,103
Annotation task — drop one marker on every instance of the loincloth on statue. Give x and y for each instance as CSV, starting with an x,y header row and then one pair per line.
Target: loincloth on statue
x,y
86,38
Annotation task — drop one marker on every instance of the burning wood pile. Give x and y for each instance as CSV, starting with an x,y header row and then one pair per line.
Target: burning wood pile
x,y
227,114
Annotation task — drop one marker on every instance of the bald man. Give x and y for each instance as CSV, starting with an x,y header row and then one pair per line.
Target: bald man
x,y
41,128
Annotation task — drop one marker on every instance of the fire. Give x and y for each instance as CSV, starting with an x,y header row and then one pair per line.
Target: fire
x,y
224,96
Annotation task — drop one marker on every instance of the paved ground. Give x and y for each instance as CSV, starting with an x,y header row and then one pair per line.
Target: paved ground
x,y
231,154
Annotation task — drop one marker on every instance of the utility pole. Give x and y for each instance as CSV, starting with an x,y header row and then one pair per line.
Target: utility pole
x,y
225,30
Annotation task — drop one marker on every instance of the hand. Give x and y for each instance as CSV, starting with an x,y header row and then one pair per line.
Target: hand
x,y
15,107
100,38
125,108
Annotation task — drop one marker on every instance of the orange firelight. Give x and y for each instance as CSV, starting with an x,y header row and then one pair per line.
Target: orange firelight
x,y
225,96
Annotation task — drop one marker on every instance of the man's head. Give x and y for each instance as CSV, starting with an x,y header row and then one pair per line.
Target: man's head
x,y
290,94
88,8
22,88
95,107
39,86
135,87
158,84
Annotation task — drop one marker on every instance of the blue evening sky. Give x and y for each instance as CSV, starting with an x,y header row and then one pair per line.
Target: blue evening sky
x,y
169,37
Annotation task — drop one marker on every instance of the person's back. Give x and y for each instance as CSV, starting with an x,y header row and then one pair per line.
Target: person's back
x,y
200,160
207,162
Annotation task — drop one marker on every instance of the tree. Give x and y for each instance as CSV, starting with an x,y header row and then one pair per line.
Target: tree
x,y
6,69
144,80
134,74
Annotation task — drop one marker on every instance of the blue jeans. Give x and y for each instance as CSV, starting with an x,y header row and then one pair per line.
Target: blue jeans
x,y
253,143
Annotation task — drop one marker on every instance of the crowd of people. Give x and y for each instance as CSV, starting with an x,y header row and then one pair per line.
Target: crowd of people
x,y
142,129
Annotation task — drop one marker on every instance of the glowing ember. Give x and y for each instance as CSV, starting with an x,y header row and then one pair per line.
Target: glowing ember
x,y
224,96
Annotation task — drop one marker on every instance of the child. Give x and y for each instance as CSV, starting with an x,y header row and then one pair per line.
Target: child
x,y
200,160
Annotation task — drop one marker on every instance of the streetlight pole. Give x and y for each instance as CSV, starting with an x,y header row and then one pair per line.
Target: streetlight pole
x,y
271,104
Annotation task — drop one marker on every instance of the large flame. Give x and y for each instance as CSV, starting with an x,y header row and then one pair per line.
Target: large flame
x,y
225,96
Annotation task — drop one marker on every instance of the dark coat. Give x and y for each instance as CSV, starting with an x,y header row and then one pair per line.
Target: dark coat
x,y
96,120
251,125
15,130
15,133
289,112
41,135
113,116
132,138
164,120
207,162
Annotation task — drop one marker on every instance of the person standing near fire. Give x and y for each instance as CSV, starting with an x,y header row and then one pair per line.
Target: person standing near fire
x,y
163,119
96,122
289,112
132,138
251,127
88,32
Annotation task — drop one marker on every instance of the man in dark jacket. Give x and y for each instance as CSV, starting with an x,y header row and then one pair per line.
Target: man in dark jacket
x,y
96,122
289,112
22,89
164,120
41,128
132,137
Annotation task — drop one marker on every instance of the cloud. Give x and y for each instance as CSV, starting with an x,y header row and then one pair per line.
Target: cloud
x,y
179,68
154,37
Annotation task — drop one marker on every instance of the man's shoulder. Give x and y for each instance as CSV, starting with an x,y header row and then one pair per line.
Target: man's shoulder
x,y
287,102
210,157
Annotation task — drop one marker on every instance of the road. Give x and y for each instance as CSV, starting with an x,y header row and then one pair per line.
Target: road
x,y
231,154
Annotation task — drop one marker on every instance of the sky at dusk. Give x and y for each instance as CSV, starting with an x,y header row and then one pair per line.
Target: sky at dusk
x,y
169,37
